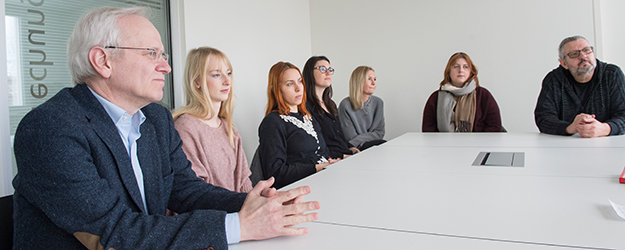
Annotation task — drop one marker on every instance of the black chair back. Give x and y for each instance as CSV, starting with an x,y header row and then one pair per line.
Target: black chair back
x,y
257,170
6,222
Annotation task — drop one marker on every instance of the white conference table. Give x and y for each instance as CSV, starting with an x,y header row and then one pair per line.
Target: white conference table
x,y
420,190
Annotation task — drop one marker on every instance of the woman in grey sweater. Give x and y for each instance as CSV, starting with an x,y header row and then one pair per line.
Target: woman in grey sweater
x,y
362,113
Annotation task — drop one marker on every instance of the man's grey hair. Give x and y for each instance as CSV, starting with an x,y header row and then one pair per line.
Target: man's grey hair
x,y
98,27
568,40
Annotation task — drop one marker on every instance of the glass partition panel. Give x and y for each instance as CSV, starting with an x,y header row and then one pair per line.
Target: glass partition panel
x,y
36,40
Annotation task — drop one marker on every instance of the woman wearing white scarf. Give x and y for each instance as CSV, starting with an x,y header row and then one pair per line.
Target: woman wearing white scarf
x,y
460,104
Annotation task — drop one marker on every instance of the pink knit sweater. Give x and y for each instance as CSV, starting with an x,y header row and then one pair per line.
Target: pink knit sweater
x,y
211,155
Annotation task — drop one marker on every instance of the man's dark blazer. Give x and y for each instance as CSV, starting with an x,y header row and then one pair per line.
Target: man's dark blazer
x,y
75,183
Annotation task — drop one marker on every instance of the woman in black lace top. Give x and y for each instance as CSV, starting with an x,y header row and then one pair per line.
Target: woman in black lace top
x,y
291,145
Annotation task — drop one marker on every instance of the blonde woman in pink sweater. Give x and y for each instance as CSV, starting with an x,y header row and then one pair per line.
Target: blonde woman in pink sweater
x,y
210,140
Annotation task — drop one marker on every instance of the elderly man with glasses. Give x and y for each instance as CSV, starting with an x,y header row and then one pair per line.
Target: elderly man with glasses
x,y
99,164
583,95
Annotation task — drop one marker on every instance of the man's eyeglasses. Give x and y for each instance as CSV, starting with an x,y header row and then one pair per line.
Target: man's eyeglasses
x,y
155,54
576,53
323,70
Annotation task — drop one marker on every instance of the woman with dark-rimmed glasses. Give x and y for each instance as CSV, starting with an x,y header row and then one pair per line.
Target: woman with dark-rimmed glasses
x,y
318,78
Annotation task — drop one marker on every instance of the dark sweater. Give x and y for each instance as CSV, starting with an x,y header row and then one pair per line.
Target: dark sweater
x,y
487,117
332,133
287,152
558,104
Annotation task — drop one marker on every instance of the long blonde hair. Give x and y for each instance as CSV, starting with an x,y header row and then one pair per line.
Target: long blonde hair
x,y
357,85
198,100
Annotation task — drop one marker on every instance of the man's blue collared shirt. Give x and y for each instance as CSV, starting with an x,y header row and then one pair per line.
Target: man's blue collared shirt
x,y
129,130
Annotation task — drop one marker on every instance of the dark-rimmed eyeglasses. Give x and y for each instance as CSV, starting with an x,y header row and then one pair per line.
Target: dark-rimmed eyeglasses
x,y
576,53
155,54
323,70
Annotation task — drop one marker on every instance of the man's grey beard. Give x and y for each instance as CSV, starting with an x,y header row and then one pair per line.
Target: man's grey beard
x,y
584,71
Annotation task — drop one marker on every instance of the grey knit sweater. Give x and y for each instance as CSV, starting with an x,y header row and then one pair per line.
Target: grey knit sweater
x,y
366,124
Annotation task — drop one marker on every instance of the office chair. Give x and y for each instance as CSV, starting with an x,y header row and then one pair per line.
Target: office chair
x,y
257,170
6,222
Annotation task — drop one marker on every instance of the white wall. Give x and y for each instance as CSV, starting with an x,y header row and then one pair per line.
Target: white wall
x,y
513,43
255,35
613,37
